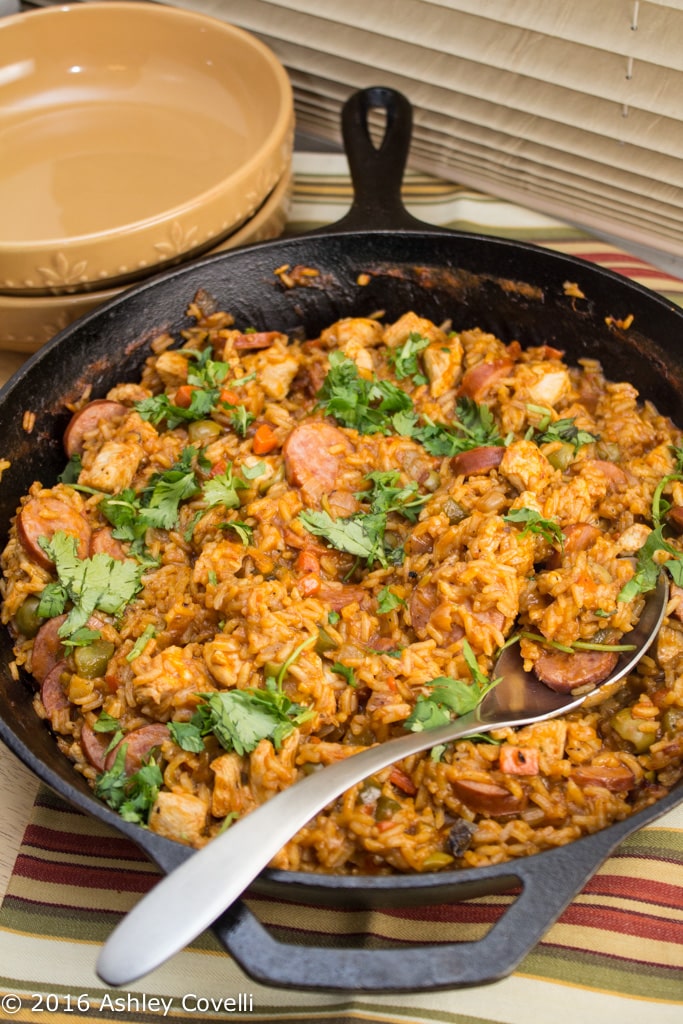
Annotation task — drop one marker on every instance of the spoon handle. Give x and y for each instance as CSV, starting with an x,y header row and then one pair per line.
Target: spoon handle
x,y
191,897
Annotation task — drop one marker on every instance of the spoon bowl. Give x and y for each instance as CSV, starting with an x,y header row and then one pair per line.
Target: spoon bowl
x,y
209,881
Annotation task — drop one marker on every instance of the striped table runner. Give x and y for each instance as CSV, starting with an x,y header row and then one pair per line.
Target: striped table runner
x,y
614,956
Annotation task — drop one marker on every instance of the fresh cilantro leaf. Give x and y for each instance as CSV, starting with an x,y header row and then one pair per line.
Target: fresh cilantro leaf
x,y
253,472
100,582
222,489
364,405
362,534
187,736
241,419
240,719
535,523
72,470
450,696
647,567
359,534
346,671
160,408
206,372
141,642
131,796
387,495
476,422
243,531
205,375
82,637
387,601
564,430
404,358
106,723
53,600
165,492
473,427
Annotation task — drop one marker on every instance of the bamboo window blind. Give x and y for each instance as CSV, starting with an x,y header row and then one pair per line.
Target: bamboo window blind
x,y
574,109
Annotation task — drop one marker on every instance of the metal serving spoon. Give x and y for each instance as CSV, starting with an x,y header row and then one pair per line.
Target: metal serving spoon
x,y
209,881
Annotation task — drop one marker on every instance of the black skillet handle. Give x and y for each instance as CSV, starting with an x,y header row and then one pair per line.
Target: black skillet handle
x,y
548,883
377,172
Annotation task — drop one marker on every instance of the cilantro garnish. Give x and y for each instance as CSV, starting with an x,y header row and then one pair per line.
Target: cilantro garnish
x,y
72,470
98,583
244,531
141,642
450,696
240,719
157,505
473,427
564,430
106,723
378,406
346,671
187,735
647,566
206,376
387,601
131,795
362,534
535,523
240,418
364,405
404,358
222,489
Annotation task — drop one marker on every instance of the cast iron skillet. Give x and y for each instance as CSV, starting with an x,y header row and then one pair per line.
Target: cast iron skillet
x,y
511,289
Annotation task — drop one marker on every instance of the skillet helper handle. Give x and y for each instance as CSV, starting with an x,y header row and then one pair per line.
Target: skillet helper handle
x,y
548,884
377,172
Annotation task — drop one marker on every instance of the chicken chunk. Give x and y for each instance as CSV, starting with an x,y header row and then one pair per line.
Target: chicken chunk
x,y
172,368
398,333
179,816
443,364
275,369
526,467
114,466
230,794
161,678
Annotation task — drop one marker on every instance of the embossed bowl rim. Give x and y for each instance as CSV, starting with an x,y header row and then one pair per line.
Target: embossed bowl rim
x,y
127,251
27,321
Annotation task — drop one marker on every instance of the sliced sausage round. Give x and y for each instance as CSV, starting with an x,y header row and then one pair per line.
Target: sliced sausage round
x,y
51,692
94,746
256,339
577,537
616,478
139,745
675,517
424,601
617,778
87,419
48,650
565,672
487,797
45,516
104,542
339,595
313,455
481,378
477,460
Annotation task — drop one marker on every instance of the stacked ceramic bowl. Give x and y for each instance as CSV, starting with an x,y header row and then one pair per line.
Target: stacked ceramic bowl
x,y
134,137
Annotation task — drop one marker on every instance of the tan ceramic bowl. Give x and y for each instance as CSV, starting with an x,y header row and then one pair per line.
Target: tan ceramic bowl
x,y
133,135
28,321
